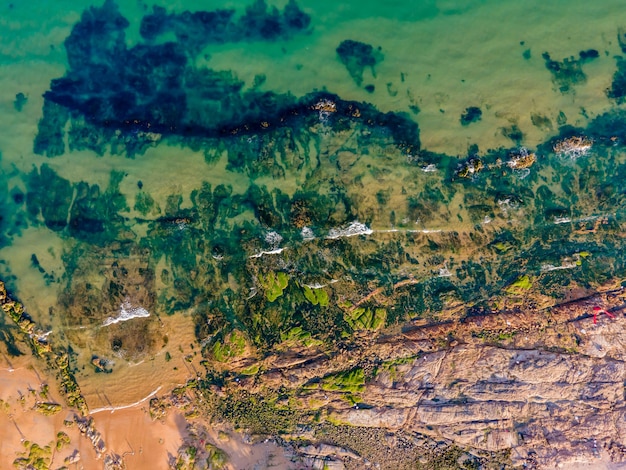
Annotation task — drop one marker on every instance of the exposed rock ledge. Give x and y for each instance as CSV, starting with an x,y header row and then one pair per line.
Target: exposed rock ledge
x,y
548,407
548,385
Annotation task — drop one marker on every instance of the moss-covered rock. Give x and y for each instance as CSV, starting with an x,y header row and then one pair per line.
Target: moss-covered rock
x,y
274,284
233,345
366,318
316,295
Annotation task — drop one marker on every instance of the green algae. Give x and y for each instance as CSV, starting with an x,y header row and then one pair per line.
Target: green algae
x,y
47,409
35,457
298,335
232,346
217,458
366,318
251,370
520,285
317,296
351,381
62,440
274,284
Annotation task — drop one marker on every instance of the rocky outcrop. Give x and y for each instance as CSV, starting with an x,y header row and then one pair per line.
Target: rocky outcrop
x,y
549,406
87,429
558,406
545,385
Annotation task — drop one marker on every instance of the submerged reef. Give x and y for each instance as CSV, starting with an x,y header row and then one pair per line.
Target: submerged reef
x,y
246,260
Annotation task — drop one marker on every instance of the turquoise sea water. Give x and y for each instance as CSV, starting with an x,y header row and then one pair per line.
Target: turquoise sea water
x,y
215,172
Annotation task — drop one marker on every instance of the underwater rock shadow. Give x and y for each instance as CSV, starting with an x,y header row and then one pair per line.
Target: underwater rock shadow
x,y
132,97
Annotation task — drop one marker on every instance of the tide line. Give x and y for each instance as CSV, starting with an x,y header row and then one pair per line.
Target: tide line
x,y
113,409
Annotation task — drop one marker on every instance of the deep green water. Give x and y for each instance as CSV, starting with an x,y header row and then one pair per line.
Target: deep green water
x,y
263,168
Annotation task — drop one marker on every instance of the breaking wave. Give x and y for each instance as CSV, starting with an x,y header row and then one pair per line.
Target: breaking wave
x,y
355,228
127,312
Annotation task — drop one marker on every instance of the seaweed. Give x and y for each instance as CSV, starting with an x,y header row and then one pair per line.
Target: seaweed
x,y
609,127
20,101
513,132
50,134
617,91
262,203
94,216
49,195
470,115
541,122
356,57
196,30
569,72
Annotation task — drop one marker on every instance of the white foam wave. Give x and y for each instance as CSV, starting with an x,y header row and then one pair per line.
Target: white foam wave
x,y
43,336
444,272
273,239
307,234
416,230
271,252
425,230
355,228
315,286
127,312
550,267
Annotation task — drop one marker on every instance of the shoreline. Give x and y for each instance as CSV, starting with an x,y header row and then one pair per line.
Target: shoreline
x,y
113,409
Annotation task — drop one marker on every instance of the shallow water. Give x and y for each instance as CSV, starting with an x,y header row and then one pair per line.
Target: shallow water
x,y
107,207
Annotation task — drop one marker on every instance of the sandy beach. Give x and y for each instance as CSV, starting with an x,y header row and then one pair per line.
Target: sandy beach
x,y
127,432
